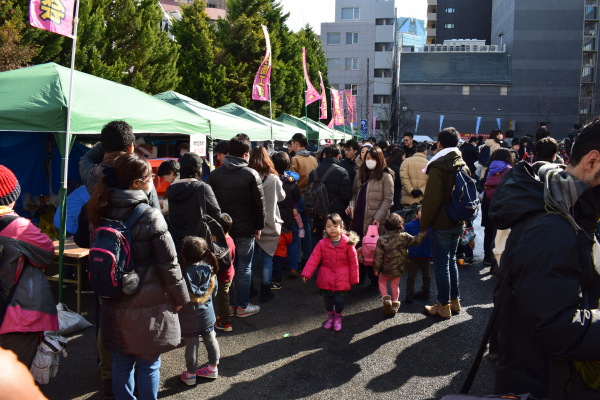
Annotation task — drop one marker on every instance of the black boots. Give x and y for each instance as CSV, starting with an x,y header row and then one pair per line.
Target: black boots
x,y
265,293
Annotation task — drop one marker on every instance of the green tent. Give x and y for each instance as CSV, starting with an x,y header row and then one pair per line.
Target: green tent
x,y
222,125
34,99
326,131
307,129
281,131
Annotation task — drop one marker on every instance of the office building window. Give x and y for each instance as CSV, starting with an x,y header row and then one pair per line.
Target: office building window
x,y
382,99
384,46
382,125
351,13
503,90
450,10
351,64
353,87
449,26
384,21
382,73
351,37
333,64
466,90
333,38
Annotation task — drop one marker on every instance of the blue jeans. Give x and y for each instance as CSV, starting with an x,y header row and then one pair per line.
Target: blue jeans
x,y
307,240
444,243
292,255
148,376
263,261
244,250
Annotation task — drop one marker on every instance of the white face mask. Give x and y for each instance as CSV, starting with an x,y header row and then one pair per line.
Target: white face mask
x,y
371,164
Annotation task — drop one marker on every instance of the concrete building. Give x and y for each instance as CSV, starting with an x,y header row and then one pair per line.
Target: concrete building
x,y
361,53
540,77
458,19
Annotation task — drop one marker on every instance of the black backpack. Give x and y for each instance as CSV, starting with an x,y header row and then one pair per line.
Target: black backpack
x,y
316,197
212,232
111,268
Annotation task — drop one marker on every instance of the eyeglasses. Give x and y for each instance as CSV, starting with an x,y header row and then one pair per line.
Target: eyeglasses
x,y
405,140
148,179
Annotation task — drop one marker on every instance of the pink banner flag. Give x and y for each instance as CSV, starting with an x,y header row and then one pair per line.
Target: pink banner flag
x,y
311,93
330,124
374,125
338,107
354,118
52,15
350,107
323,105
260,88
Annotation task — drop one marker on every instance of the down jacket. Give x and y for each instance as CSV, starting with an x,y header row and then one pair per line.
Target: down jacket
x,y
144,323
239,192
303,163
339,188
23,243
380,196
197,316
339,264
412,177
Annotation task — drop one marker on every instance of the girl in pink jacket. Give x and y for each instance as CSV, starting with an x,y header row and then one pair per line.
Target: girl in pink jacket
x,y
337,257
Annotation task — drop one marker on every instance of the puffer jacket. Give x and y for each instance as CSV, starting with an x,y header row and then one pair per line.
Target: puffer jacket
x,y
144,323
391,252
239,192
303,163
439,191
198,315
544,313
412,177
495,174
380,196
24,244
493,145
269,236
339,188
188,200
338,264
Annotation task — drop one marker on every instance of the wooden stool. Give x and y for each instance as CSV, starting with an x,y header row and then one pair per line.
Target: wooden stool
x,y
76,255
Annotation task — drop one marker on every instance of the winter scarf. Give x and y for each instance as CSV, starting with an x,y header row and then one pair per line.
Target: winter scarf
x,y
561,191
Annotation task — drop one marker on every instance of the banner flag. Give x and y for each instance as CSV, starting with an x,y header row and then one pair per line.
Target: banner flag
x,y
311,93
52,15
323,105
478,124
260,88
374,125
499,121
441,121
350,106
354,119
417,119
363,128
338,109
330,124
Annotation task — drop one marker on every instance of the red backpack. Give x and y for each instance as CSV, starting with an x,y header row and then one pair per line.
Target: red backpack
x,y
369,242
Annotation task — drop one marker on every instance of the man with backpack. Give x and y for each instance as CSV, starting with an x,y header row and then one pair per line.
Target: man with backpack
x,y
548,315
329,191
445,232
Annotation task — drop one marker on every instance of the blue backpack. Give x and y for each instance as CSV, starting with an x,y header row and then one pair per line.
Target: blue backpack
x,y
111,269
484,156
464,200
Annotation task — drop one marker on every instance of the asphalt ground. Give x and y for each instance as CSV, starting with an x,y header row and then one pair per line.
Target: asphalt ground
x,y
283,353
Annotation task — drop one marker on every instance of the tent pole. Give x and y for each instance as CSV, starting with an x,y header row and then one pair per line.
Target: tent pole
x,y
65,166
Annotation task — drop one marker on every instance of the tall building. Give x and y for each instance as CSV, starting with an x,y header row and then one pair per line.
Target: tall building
x,y
458,19
361,53
412,32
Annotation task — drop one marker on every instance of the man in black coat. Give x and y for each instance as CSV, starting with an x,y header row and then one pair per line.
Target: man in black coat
x,y
239,192
549,319
349,162
339,187
470,154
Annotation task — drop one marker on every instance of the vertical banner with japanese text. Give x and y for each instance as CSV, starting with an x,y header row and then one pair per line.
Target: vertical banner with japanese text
x,y
338,109
323,106
52,15
350,107
260,88
311,93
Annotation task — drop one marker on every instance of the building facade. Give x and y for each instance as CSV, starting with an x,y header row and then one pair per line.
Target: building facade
x,y
458,19
361,53
412,32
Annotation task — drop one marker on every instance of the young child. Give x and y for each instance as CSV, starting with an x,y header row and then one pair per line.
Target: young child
x,y
336,256
419,259
391,257
225,278
197,318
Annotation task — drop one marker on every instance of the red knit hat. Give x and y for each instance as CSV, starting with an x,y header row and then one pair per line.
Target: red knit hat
x,y
10,190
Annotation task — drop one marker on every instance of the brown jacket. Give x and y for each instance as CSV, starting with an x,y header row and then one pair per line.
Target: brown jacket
x,y
380,196
303,163
413,177
391,252
439,190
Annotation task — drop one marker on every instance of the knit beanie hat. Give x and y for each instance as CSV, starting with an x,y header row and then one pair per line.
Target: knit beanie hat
x,y
10,190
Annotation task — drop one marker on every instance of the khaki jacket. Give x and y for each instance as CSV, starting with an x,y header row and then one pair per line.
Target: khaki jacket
x,y
380,196
303,163
413,177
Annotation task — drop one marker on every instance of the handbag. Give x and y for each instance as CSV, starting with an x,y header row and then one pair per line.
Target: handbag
x,y
369,242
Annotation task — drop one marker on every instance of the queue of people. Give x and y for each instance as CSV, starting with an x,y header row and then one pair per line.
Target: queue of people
x,y
270,210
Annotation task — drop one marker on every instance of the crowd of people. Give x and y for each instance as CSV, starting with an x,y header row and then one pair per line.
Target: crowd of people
x,y
355,213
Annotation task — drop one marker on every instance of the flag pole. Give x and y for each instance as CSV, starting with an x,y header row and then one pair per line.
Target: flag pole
x,y
271,114
305,112
65,164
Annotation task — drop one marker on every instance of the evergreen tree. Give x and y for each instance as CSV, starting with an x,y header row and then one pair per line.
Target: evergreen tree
x,y
200,67
14,52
